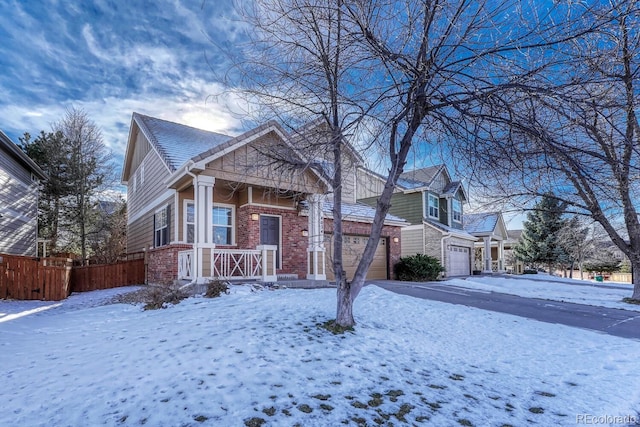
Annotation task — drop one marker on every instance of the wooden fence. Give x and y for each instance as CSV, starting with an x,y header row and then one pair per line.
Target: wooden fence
x,y
107,276
27,278
53,279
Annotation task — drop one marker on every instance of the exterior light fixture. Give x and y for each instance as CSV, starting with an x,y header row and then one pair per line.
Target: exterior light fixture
x,y
305,233
396,240
255,217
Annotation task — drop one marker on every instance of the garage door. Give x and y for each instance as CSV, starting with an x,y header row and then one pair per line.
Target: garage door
x,y
459,261
353,246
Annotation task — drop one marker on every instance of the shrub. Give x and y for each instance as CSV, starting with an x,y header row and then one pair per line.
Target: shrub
x,y
418,268
215,288
161,296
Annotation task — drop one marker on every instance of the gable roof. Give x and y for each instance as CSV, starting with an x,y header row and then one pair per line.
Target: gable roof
x,y
20,156
420,178
177,143
487,223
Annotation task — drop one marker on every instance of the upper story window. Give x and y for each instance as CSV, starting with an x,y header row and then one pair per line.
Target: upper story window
x,y
457,210
161,227
433,206
223,225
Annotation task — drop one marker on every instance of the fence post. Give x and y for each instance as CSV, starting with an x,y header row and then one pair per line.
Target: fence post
x,y
268,273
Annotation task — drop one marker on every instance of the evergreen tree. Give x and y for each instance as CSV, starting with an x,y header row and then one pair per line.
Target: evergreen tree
x,y
539,243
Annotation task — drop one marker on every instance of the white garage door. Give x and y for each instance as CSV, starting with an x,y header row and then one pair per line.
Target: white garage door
x,y
459,261
353,246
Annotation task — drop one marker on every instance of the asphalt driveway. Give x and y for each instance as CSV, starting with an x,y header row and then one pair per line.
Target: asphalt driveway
x,y
621,323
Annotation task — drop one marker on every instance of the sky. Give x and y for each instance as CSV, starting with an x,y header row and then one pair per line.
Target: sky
x,y
260,354
111,58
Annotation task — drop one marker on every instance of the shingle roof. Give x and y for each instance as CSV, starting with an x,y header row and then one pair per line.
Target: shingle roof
x,y
451,188
456,231
177,143
481,222
358,210
419,177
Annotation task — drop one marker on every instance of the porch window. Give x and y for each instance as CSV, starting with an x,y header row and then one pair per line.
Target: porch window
x,y
161,227
433,209
223,225
457,210
189,221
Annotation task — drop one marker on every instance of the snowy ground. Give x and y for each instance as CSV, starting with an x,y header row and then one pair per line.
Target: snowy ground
x,y
260,357
555,289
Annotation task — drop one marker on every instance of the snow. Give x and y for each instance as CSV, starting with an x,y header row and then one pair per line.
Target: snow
x,y
554,288
224,361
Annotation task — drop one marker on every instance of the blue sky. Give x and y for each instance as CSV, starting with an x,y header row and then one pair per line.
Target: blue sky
x,y
111,58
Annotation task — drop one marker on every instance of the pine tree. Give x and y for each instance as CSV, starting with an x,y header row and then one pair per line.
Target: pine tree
x,y
539,243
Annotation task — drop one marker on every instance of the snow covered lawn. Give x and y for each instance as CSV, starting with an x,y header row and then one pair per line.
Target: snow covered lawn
x,y
554,288
260,358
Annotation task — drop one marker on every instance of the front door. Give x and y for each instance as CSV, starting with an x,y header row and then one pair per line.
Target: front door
x,y
270,233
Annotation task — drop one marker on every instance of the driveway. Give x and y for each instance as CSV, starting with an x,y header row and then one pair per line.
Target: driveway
x,y
621,323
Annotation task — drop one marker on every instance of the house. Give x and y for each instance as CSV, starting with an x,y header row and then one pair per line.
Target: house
x,y
19,181
491,231
433,204
207,205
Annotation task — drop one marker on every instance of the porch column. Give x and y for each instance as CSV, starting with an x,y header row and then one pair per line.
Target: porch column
x,y
501,256
203,235
315,248
487,255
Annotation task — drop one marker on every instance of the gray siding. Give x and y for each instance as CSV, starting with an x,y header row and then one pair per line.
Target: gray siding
x,y
18,208
13,168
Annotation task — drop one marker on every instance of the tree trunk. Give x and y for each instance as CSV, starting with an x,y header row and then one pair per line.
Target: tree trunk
x,y
344,312
635,277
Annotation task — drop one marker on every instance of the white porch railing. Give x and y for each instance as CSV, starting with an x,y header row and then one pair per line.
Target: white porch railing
x,y
496,266
185,264
234,263
230,264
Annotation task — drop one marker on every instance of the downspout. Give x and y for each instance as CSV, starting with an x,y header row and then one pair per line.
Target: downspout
x,y
446,236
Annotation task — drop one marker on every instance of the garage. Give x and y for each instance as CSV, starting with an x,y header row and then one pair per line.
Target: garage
x,y
459,261
353,247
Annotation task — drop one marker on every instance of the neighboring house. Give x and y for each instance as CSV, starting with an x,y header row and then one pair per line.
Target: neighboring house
x,y
433,204
512,264
490,229
19,179
207,205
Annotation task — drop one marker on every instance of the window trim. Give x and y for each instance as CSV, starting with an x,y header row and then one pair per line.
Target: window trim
x,y
431,196
185,223
165,210
453,210
232,226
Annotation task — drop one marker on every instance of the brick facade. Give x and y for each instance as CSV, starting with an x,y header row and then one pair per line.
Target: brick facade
x,y
163,261
162,264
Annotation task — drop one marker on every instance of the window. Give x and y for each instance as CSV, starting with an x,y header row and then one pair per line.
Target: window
x,y
161,227
433,207
189,221
457,210
223,219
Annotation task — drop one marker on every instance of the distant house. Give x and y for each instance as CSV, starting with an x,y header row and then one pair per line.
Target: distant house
x,y
490,229
433,203
19,179
206,205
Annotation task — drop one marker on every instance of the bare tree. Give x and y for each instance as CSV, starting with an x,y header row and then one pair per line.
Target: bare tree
x,y
396,71
578,133
89,173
